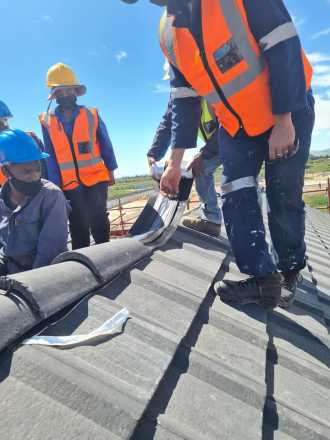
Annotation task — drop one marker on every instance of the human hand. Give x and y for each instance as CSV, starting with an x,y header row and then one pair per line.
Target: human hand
x,y
169,183
282,138
151,160
196,165
112,179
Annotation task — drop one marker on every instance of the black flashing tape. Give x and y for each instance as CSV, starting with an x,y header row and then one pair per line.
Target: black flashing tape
x,y
184,189
109,259
54,288
10,286
147,218
16,318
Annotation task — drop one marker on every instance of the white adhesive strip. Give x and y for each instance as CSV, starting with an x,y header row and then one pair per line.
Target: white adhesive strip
x,y
112,325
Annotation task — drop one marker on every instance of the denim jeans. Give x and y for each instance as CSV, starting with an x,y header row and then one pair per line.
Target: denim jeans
x,y
206,191
242,157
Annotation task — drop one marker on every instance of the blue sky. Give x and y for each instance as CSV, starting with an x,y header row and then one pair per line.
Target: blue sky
x,y
114,50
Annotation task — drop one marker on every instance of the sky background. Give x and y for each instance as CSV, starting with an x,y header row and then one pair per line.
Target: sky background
x,y
114,51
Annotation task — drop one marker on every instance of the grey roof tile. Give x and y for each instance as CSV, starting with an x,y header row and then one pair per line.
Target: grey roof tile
x,y
186,366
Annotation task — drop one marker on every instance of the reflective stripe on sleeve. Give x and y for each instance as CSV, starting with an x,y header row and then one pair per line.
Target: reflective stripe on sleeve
x,y
183,92
281,33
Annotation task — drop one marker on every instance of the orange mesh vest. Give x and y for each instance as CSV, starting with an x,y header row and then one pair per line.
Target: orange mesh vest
x,y
3,178
81,161
231,63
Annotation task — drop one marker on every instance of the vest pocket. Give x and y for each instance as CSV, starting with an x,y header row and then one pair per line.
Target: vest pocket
x,y
227,56
84,147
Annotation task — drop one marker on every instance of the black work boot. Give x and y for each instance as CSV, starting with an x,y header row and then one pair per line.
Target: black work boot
x,y
289,287
265,291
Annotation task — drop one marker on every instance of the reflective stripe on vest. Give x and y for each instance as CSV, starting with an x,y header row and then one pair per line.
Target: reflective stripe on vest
x,y
233,63
79,162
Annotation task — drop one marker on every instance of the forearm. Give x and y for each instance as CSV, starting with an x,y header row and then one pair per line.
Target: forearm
x,y
274,31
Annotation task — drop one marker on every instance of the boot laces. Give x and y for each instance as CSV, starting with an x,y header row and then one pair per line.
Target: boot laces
x,y
248,283
292,279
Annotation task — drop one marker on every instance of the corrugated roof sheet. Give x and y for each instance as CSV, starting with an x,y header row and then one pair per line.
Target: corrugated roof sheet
x,y
186,366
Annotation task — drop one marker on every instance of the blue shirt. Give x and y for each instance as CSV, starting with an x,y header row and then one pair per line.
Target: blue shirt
x,y
162,139
33,234
286,71
107,152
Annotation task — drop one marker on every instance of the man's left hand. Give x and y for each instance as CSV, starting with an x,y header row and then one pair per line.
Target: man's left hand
x,y
281,141
112,179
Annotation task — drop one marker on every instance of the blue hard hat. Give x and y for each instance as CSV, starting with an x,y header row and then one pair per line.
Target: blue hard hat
x,y
4,111
18,147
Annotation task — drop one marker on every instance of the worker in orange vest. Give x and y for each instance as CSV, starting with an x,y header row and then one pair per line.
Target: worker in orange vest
x,y
82,160
245,58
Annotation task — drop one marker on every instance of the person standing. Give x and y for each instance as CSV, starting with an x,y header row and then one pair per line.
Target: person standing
x,y
246,59
203,165
82,159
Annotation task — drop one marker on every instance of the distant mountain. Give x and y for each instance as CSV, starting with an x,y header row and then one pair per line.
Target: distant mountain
x,y
320,153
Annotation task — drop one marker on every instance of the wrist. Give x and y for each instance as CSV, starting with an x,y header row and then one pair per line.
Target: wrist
x,y
283,119
175,158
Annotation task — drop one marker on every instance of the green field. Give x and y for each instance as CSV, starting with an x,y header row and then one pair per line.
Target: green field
x,y
318,165
130,185
316,200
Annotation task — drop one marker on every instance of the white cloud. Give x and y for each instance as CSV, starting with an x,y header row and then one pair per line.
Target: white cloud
x,y
47,18
121,55
298,21
320,69
161,88
322,112
321,81
318,57
322,33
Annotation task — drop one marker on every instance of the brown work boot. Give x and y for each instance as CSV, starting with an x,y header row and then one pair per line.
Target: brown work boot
x,y
265,291
201,225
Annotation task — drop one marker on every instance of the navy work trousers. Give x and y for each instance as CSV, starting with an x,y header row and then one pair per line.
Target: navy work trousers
x,y
242,157
89,214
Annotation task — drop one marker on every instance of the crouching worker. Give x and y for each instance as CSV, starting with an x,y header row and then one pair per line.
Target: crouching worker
x,y
33,211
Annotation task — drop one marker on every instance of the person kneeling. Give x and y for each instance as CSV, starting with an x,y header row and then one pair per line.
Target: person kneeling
x,y
33,211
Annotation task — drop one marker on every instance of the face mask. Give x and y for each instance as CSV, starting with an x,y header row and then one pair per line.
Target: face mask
x,y
67,102
26,188
4,125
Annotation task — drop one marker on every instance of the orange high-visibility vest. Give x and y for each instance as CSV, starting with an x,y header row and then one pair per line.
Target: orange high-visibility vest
x,y
3,178
80,161
230,70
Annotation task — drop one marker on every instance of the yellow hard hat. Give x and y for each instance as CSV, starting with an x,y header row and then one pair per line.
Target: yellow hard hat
x,y
61,76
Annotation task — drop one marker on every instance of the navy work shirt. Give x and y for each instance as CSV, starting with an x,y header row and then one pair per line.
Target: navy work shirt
x,y
33,234
286,71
